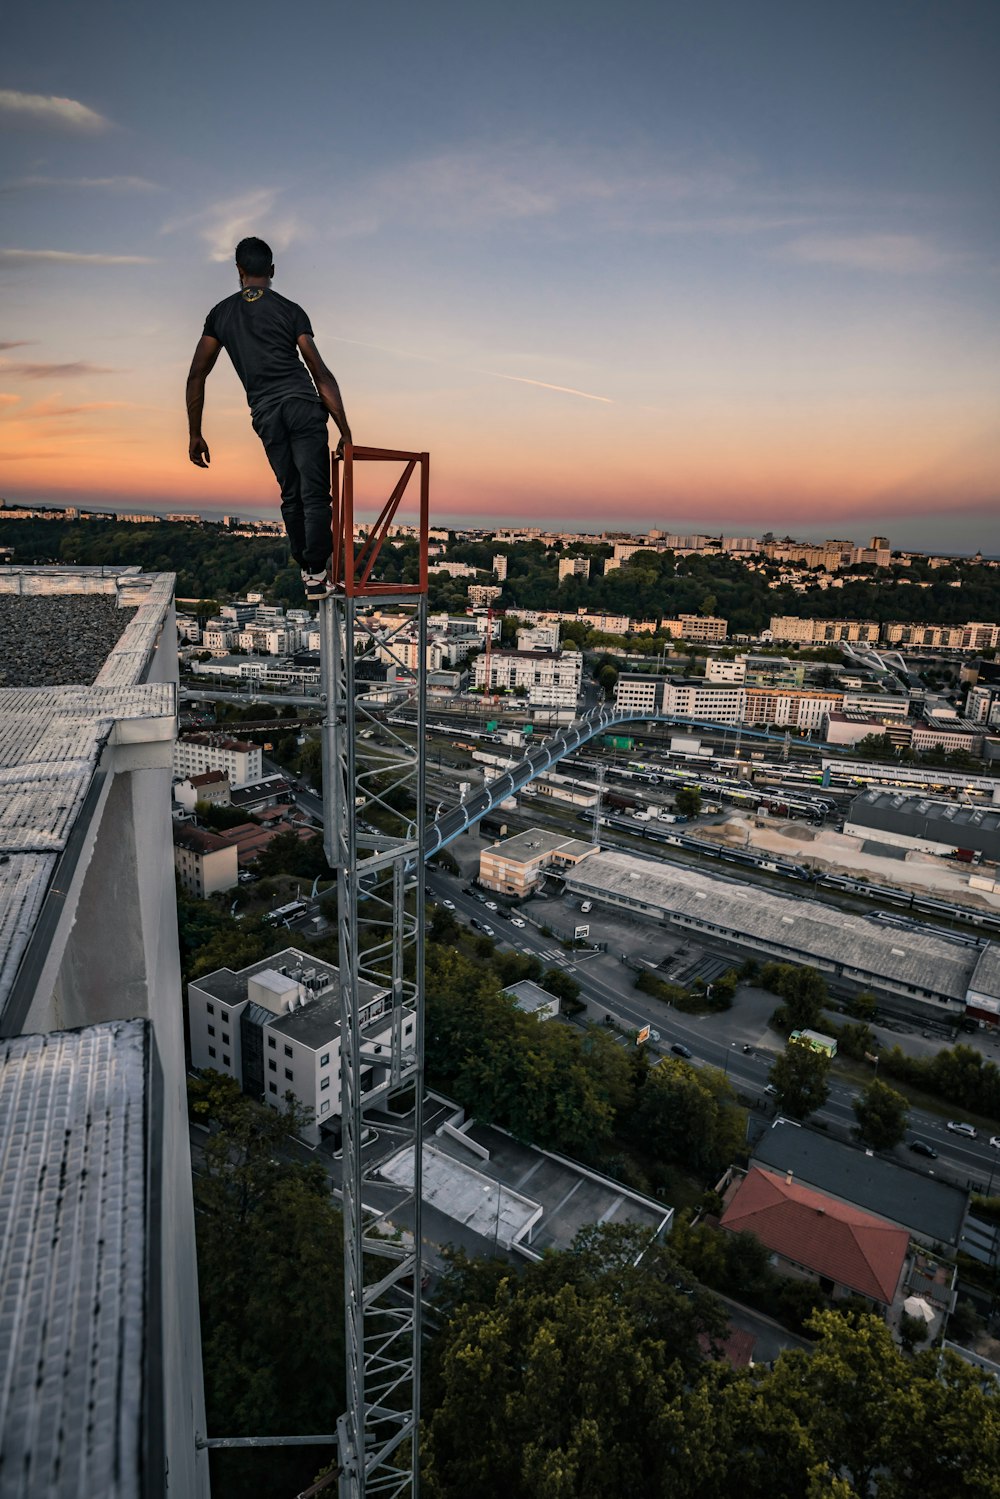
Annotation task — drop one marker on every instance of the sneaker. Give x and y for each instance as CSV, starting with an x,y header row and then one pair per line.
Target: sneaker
x,y
317,585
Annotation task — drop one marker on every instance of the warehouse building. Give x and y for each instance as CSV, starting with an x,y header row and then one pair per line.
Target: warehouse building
x,y
933,827
853,950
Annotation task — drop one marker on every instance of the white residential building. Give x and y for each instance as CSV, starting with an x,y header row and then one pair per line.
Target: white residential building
x,y
539,637
275,1027
194,753
552,679
726,671
574,567
500,566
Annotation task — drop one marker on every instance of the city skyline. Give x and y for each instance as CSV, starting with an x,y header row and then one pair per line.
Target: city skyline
x,y
706,271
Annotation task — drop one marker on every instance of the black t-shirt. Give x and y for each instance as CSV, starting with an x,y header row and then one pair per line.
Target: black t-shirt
x,y
258,329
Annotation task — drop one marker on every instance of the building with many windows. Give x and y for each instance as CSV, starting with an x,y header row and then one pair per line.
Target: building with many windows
x,y
517,865
205,862
196,753
698,629
275,1027
551,679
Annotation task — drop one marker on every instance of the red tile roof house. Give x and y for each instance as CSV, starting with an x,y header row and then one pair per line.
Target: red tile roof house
x,y
814,1236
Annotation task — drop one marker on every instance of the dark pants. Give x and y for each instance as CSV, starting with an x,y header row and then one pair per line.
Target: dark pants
x,y
295,441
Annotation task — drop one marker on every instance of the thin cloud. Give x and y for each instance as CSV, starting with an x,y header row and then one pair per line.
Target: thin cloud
x,y
6,399
223,225
15,343
72,371
472,369
111,184
71,257
51,109
905,254
566,390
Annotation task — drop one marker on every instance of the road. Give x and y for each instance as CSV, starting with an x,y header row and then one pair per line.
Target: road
x,y
606,988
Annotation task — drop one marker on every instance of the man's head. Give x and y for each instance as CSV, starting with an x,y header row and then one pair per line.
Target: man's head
x,y
254,258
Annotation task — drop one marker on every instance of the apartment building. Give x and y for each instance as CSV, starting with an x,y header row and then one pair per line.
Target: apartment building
x,y
205,863
211,786
500,566
274,1026
982,706
552,679
195,753
481,595
574,567
974,636
785,627
697,629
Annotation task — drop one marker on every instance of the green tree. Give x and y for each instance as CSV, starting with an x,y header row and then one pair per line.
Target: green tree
x,y
688,1115
881,1113
800,1076
803,991
270,1282
687,800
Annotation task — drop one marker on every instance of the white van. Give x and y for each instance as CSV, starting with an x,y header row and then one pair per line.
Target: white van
x,y
588,905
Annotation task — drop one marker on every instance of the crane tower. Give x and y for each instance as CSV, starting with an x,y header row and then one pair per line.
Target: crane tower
x,y
373,815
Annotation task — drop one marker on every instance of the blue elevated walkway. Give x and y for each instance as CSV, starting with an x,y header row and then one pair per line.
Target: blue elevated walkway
x,y
601,720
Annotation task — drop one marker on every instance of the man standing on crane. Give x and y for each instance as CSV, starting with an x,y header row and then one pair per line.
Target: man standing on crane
x,y
264,334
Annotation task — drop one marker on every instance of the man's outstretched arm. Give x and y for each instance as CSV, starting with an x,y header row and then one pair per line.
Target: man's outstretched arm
x,y
326,388
205,355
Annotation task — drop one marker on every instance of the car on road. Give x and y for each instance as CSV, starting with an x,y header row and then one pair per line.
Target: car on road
x,y
449,905
995,1141
921,1147
488,931
680,1050
476,923
518,921
477,895
958,1127
772,1090
491,905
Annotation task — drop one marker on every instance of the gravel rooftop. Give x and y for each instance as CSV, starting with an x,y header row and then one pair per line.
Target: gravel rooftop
x,y
57,641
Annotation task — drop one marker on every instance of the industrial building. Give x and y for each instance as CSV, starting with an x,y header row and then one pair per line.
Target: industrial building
x,y
857,951
920,823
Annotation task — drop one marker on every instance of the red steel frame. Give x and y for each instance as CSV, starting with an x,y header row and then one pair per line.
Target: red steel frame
x,y
350,570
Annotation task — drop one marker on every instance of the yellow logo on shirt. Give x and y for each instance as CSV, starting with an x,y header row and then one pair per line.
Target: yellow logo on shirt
x,y
253,293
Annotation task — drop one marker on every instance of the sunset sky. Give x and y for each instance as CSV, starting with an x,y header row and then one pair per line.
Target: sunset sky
x,y
717,265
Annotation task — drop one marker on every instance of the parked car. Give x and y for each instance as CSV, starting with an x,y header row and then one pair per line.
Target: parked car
x,y
491,905
449,905
517,921
995,1141
921,1147
772,1090
475,922
680,1050
958,1127
488,931
588,905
